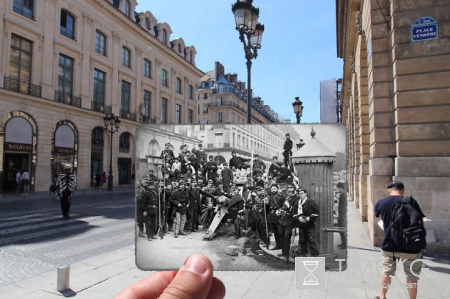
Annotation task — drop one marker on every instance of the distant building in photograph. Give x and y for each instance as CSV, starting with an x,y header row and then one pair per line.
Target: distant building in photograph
x,y
396,106
223,99
68,63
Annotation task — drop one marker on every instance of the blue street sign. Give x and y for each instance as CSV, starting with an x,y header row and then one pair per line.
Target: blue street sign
x,y
423,29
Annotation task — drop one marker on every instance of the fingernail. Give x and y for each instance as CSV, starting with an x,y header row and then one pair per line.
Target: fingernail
x,y
195,264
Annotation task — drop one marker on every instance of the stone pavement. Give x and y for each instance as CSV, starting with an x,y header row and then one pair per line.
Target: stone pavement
x,y
104,276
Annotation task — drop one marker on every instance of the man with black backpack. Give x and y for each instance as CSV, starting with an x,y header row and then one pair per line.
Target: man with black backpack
x,y
404,237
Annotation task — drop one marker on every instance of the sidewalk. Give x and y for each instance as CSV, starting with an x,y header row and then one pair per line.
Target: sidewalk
x,y
108,274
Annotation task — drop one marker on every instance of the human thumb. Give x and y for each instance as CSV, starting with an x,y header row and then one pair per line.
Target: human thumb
x,y
193,280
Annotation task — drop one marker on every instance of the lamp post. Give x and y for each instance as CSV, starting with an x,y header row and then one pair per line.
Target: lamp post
x,y
246,17
298,108
112,124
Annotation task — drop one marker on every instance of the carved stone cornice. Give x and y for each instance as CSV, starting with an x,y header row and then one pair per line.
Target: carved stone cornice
x,y
116,37
358,20
88,19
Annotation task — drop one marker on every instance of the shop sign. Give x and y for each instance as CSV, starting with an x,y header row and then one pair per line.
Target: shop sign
x,y
423,29
18,147
62,150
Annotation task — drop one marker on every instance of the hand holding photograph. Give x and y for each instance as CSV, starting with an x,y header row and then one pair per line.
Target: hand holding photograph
x,y
249,197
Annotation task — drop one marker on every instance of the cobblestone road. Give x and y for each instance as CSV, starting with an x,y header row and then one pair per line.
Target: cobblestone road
x,y
34,239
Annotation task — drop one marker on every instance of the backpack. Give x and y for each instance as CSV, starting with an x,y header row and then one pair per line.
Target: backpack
x,y
407,229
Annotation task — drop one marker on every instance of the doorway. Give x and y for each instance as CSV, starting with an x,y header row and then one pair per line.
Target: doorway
x,y
124,165
13,164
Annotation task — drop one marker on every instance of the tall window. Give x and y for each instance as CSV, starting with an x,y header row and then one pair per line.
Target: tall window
x,y
219,101
24,7
124,142
179,85
232,117
164,111
191,92
127,8
65,74
100,43
164,78
177,114
191,116
164,36
126,57
147,102
20,59
99,87
219,117
67,24
206,96
126,96
147,24
147,68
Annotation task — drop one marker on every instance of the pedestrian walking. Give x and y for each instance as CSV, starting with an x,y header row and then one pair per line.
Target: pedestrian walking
x,y
103,178
19,182
65,186
390,251
98,179
25,182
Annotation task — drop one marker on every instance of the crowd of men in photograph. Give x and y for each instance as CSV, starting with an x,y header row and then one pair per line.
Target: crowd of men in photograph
x,y
263,199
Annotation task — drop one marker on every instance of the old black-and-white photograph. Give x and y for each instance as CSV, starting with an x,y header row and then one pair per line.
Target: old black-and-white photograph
x,y
250,197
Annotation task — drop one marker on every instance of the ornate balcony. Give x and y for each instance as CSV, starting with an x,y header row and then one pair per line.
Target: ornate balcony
x,y
101,108
127,115
21,86
67,98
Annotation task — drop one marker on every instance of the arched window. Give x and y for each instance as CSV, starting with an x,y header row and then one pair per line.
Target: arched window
x,y
126,57
67,24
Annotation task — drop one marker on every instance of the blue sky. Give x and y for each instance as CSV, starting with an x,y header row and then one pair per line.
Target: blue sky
x,y
298,46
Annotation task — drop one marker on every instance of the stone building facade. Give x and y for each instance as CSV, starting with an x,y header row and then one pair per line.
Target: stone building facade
x,y
396,105
65,64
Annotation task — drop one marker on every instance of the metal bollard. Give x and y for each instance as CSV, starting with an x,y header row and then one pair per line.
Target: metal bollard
x,y
63,279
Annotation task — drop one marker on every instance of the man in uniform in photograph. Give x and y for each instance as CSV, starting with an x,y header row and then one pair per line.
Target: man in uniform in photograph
x,y
287,153
274,167
286,221
151,209
195,194
259,181
259,167
167,154
211,168
176,169
235,209
276,201
306,211
239,162
227,177
201,155
260,207
140,191
180,202
285,176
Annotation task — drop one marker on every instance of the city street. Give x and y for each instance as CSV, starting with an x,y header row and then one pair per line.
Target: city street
x,y
34,239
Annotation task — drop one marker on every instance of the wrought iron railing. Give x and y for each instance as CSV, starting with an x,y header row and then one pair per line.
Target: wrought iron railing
x,y
127,115
21,86
101,108
67,98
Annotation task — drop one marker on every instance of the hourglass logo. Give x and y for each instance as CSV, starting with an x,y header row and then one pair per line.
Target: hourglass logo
x,y
310,273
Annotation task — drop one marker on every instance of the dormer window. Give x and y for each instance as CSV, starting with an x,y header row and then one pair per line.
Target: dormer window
x,y
127,8
179,47
147,24
164,36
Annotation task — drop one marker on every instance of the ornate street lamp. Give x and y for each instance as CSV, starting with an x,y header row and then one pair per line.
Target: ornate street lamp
x,y
298,108
246,17
112,125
